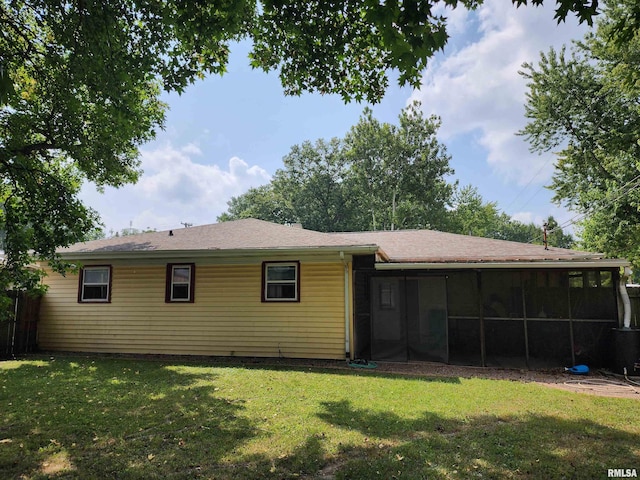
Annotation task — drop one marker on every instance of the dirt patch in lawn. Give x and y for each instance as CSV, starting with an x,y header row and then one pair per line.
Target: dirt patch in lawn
x,y
599,383
596,383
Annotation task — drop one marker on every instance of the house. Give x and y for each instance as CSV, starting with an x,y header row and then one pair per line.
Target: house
x,y
254,288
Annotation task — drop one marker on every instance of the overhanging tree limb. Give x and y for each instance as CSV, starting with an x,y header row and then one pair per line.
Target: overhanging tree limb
x,y
80,82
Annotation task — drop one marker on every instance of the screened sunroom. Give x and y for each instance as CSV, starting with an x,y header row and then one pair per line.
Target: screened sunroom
x,y
502,317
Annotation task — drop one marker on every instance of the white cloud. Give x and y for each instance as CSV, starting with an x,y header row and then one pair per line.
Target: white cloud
x,y
191,149
478,88
564,218
174,189
527,217
457,19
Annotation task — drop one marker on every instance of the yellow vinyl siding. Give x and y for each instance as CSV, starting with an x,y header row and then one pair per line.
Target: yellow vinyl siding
x,y
227,317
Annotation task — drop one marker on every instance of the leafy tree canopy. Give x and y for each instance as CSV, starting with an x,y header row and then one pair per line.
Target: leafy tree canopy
x,y
381,177
80,84
471,215
585,105
331,47
398,173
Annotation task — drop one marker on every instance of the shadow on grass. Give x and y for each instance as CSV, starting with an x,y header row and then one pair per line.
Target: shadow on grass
x,y
135,419
335,367
119,419
435,447
351,372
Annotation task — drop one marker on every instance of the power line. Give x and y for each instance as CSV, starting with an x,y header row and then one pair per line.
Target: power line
x,y
527,186
625,189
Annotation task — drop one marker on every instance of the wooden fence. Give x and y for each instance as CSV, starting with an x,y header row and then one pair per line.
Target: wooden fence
x,y
18,333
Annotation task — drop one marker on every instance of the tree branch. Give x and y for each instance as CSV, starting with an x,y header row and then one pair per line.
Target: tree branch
x,y
29,149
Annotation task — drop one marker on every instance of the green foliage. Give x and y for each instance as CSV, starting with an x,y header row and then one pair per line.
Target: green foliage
x,y
380,176
399,172
585,10
39,209
345,48
126,232
556,237
95,234
586,106
85,418
470,215
263,203
80,85
315,184
84,96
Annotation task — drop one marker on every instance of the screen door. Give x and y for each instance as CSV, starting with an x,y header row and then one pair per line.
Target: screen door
x,y
409,319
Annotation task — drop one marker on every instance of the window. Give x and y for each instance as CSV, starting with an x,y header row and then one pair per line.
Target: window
x,y
180,282
591,279
281,282
387,296
95,284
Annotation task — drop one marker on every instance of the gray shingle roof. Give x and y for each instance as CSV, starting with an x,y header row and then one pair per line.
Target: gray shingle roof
x,y
401,246
431,246
247,234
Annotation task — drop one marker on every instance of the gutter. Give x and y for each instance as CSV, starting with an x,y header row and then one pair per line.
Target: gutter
x,y
602,263
214,253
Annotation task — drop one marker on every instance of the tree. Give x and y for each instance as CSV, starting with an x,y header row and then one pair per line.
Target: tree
x,y
314,183
40,207
263,203
95,234
556,236
584,105
80,84
380,176
399,172
82,96
127,232
344,48
471,215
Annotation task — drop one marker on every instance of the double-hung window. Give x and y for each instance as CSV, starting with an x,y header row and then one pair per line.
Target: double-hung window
x,y
281,282
180,282
95,284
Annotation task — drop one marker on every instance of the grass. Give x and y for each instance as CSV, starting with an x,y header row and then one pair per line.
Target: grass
x,y
82,418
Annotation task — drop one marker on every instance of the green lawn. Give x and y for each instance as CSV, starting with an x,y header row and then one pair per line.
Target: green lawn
x,y
76,417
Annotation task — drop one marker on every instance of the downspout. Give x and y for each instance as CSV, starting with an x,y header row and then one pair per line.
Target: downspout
x,y
347,308
624,295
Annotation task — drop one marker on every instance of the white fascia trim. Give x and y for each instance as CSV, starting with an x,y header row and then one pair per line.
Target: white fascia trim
x,y
215,253
570,264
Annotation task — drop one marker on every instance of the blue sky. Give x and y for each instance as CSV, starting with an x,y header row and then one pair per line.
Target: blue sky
x,y
226,134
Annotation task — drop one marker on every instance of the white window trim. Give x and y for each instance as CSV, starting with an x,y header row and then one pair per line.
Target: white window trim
x,y
187,283
267,282
85,283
